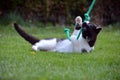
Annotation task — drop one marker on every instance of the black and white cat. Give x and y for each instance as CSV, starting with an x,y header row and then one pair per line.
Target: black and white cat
x,y
85,43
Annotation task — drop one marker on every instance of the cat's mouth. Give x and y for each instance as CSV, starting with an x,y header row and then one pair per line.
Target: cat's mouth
x,y
77,26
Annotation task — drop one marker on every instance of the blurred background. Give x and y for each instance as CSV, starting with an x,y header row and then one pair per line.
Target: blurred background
x,y
58,12
47,19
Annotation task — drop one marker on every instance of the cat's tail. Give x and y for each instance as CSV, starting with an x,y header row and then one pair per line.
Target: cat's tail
x,y
26,36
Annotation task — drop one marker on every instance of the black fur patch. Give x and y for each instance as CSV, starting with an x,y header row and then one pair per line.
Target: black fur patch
x,y
90,32
77,27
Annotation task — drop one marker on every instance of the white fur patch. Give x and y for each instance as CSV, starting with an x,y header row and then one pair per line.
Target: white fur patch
x,y
78,20
45,44
64,46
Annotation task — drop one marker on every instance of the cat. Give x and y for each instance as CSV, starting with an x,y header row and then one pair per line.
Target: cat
x,y
85,43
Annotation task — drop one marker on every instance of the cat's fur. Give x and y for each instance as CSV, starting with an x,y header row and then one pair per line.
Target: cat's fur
x,y
85,43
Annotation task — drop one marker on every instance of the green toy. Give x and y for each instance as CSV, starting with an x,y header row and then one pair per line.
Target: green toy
x,y
67,31
87,18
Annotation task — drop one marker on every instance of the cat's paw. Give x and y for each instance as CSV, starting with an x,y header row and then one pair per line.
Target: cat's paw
x,y
78,20
34,48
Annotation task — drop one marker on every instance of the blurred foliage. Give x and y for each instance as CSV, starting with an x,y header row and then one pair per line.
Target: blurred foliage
x,y
61,11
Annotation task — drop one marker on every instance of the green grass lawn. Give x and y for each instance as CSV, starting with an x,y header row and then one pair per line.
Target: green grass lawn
x,y
18,63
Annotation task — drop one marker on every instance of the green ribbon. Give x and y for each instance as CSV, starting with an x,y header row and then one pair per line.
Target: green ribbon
x,y
67,31
87,16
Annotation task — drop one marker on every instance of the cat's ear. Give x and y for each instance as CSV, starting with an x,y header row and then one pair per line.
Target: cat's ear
x,y
98,29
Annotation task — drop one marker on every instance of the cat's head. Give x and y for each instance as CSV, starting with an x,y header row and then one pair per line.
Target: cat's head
x,y
90,31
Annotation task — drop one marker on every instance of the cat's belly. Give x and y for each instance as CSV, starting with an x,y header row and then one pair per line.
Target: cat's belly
x,y
80,45
64,46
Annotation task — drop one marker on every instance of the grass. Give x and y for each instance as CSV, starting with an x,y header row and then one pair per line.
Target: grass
x,y
18,63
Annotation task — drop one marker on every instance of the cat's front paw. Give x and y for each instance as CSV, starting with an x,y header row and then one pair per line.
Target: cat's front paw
x,y
78,20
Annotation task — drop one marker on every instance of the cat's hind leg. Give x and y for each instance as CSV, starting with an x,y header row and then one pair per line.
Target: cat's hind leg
x,y
45,45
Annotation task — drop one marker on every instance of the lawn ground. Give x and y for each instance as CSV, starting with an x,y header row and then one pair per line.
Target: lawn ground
x,y
18,62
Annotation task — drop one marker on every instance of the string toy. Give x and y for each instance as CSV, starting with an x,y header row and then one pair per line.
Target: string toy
x,y
87,19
